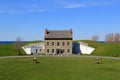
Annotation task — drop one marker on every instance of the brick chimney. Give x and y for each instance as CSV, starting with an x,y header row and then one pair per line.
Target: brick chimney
x,y
71,31
46,31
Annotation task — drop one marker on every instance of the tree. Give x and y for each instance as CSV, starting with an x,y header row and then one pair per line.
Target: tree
x,y
109,37
95,37
113,37
116,37
18,45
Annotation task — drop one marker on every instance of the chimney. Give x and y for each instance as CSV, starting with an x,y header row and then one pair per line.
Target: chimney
x,y
71,31
46,31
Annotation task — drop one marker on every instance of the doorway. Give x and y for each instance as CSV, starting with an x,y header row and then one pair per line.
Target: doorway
x,y
36,50
59,51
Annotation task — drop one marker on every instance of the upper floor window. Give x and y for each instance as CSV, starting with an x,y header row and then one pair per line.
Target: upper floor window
x,y
58,43
68,43
52,43
63,43
47,43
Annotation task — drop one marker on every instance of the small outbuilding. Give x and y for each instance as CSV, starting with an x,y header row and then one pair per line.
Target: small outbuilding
x,y
34,48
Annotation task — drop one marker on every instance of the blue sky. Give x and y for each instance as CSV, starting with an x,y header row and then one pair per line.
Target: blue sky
x,y
29,18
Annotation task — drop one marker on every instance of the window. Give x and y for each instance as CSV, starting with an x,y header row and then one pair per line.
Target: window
x,y
52,43
47,43
40,50
52,50
68,51
47,50
68,43
58,43
63,43
63,50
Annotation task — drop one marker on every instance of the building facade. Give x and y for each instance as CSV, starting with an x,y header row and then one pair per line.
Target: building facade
x,y
58,42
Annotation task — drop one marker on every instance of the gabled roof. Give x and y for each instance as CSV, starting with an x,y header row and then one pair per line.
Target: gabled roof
x,y
58,34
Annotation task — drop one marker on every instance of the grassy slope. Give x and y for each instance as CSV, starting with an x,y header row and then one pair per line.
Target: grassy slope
x,y
70,68
9,49
104,49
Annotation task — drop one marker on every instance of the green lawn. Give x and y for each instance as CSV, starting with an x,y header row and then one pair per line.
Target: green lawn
x,y
104,48
7,50
59,68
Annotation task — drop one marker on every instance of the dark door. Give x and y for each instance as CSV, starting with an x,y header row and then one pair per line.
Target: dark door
x,y
36,50
59,51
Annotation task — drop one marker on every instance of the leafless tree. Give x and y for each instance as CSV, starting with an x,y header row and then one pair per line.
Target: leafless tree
x,y
109,37
116,37
95,37
113,37
18,45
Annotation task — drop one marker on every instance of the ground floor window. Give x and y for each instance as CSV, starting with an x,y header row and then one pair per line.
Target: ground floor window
x,y
47,50
40,50
63,50
52,50
68,50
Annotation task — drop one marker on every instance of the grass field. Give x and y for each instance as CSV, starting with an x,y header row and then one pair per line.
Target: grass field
x,y
59,68
104,48
8,50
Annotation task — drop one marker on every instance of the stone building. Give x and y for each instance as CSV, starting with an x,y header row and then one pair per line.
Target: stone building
x,y
58,42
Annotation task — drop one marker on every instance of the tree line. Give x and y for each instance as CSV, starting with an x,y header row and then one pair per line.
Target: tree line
x,y
111,37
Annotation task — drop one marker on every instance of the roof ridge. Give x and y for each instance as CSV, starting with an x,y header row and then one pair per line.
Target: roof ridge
x,y
58,30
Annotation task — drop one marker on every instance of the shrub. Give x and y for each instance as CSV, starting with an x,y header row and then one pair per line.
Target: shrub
x,y
115,55
98,60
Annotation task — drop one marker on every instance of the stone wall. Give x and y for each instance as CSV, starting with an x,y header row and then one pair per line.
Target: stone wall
x,y
50,46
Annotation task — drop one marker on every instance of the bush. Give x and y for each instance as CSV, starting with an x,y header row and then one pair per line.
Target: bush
x,y
98,60
115,55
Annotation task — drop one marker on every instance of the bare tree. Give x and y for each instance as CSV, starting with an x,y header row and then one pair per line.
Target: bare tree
x,y
18,45
95,37
109,37
116,37
113,37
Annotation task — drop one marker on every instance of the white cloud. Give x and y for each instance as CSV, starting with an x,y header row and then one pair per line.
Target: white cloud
x,y
76,6
38,7
20,9
87,3
84,5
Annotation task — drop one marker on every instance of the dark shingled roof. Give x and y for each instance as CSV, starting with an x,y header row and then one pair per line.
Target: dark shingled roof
x,y
58,34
